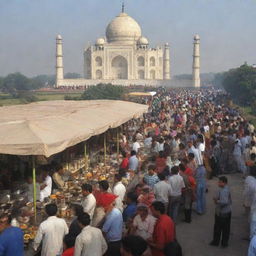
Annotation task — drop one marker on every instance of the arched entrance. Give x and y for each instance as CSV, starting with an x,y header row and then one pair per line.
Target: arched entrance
x,y
119,68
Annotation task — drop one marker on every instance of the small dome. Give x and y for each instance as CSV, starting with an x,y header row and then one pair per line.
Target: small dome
x,y
58,37
143,40
123,29
197,37
100,41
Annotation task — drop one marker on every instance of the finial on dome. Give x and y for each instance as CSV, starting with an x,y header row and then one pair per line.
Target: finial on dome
x,y
123,7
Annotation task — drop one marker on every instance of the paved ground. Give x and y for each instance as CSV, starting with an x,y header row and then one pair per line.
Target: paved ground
x,y
195,237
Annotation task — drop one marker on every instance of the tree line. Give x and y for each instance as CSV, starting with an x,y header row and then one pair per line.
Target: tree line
x,y
240,83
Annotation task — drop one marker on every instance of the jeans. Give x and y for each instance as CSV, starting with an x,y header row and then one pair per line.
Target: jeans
x,y
174,207
200,198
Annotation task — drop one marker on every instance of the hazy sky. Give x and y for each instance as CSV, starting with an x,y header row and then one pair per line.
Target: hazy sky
x,y
28,29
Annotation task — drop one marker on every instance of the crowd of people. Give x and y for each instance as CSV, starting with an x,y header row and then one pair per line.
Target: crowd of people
x,y
184,139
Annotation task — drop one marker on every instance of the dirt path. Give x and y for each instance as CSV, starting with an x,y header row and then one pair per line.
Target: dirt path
x,y
195,237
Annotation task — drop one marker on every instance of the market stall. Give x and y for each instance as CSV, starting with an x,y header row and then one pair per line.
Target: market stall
x,y
47,128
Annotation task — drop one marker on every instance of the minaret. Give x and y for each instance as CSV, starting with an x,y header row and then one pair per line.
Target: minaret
x,y
167,75
59,60
196,62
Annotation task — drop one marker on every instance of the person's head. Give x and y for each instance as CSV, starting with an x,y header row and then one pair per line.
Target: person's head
x,y
142,210
59,169
191,156
190,144
222,181
175,170
77,209
145,190
131,197
182,167
5,221
68,241
86,189
253,156
124,154
151,169
161,176
157,209
133,153
51,209
161,154
133,246
29,180
84,219
103,185
118,177
181,146
138,189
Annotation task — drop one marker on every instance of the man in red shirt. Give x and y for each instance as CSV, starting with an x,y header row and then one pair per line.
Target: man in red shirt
x,y
164,231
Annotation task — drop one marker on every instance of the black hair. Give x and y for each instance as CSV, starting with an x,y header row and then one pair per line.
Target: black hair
x,y
6,216
51,209
151,167
78,209
123,153
118,177
191,155
159,206
132,196
223,179
69,240
84,219
182,167
133,153
161,176
161,154
122,172
175,170
104,185
87,187
135,245
59,167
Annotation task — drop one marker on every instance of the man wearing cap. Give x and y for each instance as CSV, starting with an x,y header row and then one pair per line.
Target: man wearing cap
x,y
113,226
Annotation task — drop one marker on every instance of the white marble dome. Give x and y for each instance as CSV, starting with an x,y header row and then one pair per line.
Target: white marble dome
x,y
143,41
123,29
100,41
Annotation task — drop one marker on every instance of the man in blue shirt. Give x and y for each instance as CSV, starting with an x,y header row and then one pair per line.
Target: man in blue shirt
x,y
112,228
11,238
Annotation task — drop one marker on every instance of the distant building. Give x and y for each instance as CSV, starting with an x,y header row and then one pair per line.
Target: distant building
x,y
124,57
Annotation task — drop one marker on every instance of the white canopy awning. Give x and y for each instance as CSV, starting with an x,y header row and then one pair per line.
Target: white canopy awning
x,y
48,127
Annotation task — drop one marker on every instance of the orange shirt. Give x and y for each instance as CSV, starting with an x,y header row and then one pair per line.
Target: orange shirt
x,y
164,233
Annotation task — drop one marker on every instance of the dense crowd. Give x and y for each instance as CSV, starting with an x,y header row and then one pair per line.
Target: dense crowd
x,y
184,139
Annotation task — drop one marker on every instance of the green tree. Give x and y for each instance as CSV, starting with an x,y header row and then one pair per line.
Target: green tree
x,y
72,75
104,91
14,82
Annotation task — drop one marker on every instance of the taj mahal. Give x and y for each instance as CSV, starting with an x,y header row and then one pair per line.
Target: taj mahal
x,y
124,57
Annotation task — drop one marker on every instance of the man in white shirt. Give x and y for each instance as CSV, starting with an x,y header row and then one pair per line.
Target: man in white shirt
x,y
143,223
30,192
162,190
46,186
196,152
177,184
133,161
51,233
119,190
136,145
89,201
90,242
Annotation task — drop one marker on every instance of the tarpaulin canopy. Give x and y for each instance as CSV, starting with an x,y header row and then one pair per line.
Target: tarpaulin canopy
x,y
141,94
48,127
